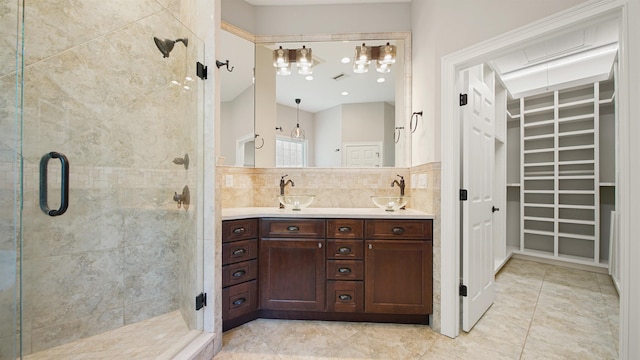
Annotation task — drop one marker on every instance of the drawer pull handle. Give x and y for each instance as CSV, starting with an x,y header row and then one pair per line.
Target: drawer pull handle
x,y
344,250
293,228
344,297
344,270
239,230
343,229
239,273
397,230
370,246
239,301
239,252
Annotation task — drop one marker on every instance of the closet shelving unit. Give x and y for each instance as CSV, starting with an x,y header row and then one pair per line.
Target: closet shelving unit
x,y
557,136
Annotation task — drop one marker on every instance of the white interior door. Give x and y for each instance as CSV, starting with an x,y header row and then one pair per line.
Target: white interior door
x,y
363,155
478,172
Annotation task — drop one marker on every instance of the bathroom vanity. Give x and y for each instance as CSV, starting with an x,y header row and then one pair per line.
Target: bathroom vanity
x,y
326,264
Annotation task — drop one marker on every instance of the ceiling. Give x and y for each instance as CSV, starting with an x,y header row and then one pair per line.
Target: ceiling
x,y
576,57
318,2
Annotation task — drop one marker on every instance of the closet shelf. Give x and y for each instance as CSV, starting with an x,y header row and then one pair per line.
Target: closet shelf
x,y
539,123
548,163
576,147
577,207
575,221
576,103
569,119
539,178
577,192
538,151
538,110
539,137
537,218
539,232
576,162
576,177
538,191
576,133
538,205
576,236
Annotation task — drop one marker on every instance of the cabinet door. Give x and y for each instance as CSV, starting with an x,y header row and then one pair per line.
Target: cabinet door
x,y
398,277
292,274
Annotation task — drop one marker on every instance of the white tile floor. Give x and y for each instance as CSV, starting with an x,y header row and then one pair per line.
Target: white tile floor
x,y
541,312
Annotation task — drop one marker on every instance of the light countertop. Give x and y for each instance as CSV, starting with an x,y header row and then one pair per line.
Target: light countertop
x,y
354,213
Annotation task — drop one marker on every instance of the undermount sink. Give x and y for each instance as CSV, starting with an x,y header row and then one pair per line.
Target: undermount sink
x,y
296,202
390,203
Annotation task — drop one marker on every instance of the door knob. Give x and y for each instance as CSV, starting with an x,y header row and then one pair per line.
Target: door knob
x,y
494,209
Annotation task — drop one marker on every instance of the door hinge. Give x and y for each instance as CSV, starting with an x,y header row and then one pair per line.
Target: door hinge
x,y
463,99
463,195
462,291
201,301
201,70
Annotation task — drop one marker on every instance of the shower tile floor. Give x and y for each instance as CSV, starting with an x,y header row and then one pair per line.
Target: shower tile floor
x,y
158,338
541,312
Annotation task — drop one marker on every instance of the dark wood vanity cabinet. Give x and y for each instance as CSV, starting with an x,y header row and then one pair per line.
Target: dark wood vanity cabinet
x,y
398,267
345,265
239,271
292,264
327,269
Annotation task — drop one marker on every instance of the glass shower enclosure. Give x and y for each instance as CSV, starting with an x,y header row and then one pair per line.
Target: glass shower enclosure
x,y
100,164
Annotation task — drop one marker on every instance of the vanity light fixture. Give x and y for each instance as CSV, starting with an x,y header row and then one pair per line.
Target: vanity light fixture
x,y
384,56
297,134
283,58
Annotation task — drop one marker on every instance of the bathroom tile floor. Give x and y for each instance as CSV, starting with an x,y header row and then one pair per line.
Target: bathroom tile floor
x,y
541,312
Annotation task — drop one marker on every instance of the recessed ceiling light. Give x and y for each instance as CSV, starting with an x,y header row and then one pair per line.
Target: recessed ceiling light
x,y
309,77
345,60
381,80
345,93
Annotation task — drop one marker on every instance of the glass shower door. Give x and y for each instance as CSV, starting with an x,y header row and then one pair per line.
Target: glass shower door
x,y
9,179
108,124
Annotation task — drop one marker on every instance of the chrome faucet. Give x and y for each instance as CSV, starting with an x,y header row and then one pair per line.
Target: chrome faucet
x,y
399,183
284,183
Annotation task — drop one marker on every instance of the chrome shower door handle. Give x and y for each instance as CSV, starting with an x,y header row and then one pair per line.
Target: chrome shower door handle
x,y
64,183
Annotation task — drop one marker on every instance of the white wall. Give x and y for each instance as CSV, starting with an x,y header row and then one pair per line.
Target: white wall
x,y
236,121
440,27
363,122
389,154
328,130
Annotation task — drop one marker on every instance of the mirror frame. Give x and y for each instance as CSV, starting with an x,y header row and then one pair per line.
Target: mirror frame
x,y
405,36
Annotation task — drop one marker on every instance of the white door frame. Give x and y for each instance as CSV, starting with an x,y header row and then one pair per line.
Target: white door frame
x,y
451,127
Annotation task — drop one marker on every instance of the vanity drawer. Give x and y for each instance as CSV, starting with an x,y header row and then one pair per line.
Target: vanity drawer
x,y
404,229
345,296
345,249
233,230
239,299
292,228
238,273
345,228
239,251
345,270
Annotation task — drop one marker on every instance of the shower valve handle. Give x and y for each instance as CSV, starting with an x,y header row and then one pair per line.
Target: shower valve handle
x,y
183,199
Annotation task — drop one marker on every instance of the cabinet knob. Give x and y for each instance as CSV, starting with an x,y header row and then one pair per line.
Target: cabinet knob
x,y
370,246
344,229
239,273
344,250
344,297
319,245
239,252
239,301
239,230
344,270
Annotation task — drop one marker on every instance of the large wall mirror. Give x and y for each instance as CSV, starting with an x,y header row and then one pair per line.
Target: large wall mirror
x,y
349,119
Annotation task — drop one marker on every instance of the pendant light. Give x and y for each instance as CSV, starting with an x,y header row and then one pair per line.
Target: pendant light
x,y
297,134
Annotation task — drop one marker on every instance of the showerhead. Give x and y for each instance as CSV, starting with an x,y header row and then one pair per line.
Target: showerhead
x,y
165,45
